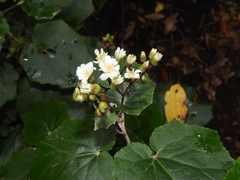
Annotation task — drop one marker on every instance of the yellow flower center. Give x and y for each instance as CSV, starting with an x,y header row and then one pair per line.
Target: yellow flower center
x,y
87,73
109,68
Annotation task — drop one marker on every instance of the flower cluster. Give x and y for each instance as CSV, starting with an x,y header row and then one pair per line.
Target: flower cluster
x,y
113,70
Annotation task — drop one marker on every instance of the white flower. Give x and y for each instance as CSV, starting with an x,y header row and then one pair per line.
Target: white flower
x,y
84,71
100,55
110,68
117,80
85,88
119,53
131,74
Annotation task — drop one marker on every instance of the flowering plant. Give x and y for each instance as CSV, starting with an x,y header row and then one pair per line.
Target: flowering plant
x,y
109,92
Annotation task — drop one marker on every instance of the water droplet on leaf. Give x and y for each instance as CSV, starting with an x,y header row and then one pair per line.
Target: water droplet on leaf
x,y
64,43
36,74
74,40
55,45
25,57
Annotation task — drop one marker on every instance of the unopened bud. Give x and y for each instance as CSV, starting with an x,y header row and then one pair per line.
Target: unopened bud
x,y
99,114
144,79
81,97
152,53
103,107
92,97
130,60
143,56
103,97
156,58
74,96
144,66
95,89
91,79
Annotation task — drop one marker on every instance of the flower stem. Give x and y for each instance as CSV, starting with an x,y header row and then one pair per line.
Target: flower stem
x,y
121,124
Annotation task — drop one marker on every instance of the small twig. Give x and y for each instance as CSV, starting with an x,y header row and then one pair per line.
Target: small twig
x,y
12,7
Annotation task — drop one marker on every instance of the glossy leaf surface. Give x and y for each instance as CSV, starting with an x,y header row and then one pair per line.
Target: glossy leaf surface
x,y
75,151
180,152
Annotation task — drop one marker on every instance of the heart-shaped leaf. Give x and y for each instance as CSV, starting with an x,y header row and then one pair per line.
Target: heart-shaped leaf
x,y
75,151
54,55
42,118
180,151
44,9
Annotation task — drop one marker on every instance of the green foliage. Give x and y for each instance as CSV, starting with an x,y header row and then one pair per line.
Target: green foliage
x,y
54,54
44,134
8,86
178,152
42,118
234,173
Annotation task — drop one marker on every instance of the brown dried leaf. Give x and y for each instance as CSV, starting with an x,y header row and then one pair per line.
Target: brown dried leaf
x,y
154,16
170,23
129,30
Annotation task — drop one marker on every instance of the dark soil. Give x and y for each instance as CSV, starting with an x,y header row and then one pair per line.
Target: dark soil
x,y
200,42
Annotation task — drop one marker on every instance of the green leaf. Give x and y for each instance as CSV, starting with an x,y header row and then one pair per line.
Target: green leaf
x,y
44,9
234,173
77,12
2,0
19,165
181,151
104,122
55,54
137,99
42,118
8,86
28,94
199,112
144,124
10,144
4,28
75,151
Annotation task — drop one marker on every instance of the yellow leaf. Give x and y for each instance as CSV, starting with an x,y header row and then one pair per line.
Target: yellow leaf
x,y
159,7
175,109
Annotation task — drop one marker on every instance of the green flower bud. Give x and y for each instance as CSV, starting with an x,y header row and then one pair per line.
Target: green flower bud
x,y
156,58
143,57
113,87
75,96
103,107
144,79
92,97
81,97
91,78
144,66
130,60
99,114
96,89
152,53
